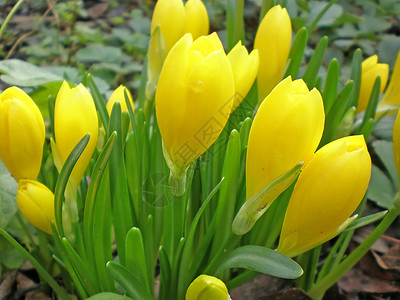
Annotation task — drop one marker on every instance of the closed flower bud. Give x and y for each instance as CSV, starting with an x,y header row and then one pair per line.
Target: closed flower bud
x,y
196,21
273,39
176,19
170,15
328,191
75,116
245,68
36,203
206,287
193,99
392,94
286,130
370,70
119,95
22,134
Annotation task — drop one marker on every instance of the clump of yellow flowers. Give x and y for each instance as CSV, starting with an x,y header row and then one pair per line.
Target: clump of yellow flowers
x,y
223,166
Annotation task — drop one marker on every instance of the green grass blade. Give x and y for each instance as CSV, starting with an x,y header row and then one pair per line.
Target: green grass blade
x,y
99,102
310,75
331,85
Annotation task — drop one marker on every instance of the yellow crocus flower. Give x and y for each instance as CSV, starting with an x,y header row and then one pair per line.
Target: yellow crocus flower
x,y
193,99
75,116
22,134
328,191
286,130
392,94
245,68
36,203
370,70
206,287
119,95
273,39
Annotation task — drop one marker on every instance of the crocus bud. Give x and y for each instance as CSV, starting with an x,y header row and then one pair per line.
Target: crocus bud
x,y
328,191
392,94
273,39
170,15
396,142
196,21
193,99
119,95
176,19
206,287
74,116
36,203
286,130
22,134
245,68
370,70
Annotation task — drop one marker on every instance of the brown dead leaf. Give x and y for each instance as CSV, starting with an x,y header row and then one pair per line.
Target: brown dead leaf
x,y
97,10
7,284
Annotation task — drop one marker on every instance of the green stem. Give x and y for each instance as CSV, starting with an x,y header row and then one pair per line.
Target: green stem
x,y
10,15
317,290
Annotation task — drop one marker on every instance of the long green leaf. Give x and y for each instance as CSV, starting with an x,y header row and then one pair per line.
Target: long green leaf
x,y
165,274
360,222
63,180
296,53
355,76
97,174
135,255
331,85
132,285
234,22
121,208
262,260
99,102
310,75
184,278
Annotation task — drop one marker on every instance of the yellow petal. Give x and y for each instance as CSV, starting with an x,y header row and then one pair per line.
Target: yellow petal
x,y
193,98
170,15
370,70
273,39
245,68
206,287
22,134
286,130
36,203
119,95
392,94
328,191
196,21
74,116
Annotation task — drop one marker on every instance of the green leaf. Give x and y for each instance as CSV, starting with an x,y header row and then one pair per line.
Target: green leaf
x,y
21,73
310,75
99,53
108,296
234,22
360,222
331,85
263,260
255,207
99,101
8,191
296,53
135,255
384,151
63,180
128,281
380,189
323,14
